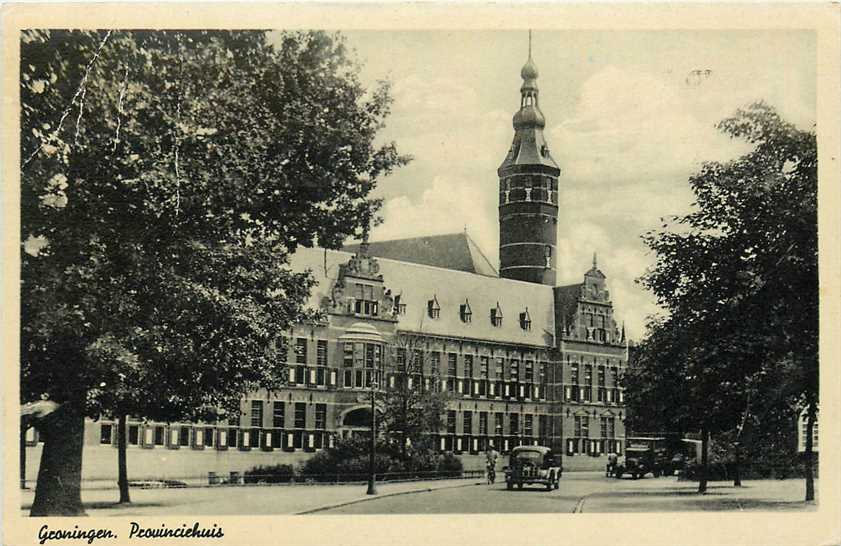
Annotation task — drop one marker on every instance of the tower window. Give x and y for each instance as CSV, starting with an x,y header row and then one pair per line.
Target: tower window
x,y
547,256
433,308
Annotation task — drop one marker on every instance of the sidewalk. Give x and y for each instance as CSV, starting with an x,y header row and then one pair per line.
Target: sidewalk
x,y
244,500
670,495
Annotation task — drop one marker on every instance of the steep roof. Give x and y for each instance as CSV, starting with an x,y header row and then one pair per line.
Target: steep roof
x,y
416,284
566,300
450,251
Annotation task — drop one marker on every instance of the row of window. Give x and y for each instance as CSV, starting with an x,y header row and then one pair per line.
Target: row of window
x,y
212,437
585,394
601,375
607,426
478,444
278,416
529,424
465,313
413,360
594,448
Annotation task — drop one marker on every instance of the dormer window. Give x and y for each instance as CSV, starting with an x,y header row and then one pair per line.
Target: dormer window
x,y
464,311
399,307
525,320
432,307
496,316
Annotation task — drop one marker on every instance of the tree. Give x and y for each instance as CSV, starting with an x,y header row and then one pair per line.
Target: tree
x,y
165,179
738,275
412,403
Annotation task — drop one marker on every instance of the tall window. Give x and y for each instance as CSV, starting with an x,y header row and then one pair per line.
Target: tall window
x,y
278,414
320,416
500,368
483,367
498,418
585,426
321,352
543,377
105,434
529,371
601,376
573,374
515,370
578,428
435,361
603,427
451,421
451,372
547,256
300,415
301,350
468,366
257,413
529,425
483,422
514,423
468,422
588,374
451,364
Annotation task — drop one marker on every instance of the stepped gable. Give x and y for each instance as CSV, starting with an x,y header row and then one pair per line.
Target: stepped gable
x,y
455,251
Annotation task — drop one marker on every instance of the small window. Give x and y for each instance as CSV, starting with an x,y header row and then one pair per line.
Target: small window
x,y
525,320
496,316
433,309
547,256
401,308
465,313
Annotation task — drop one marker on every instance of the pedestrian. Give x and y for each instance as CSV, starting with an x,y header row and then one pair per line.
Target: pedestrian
x,y
611,463
490,463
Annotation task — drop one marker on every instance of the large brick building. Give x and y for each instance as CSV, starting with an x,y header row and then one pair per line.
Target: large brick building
x,y
526,361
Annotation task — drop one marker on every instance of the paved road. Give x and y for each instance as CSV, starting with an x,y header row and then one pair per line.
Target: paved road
x,y
490,499
579,492
586,492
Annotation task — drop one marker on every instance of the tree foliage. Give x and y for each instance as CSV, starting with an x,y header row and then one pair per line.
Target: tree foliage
x,y
738,276
414,406
165,178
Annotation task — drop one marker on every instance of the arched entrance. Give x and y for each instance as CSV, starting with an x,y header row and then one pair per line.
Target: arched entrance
x,y
355,422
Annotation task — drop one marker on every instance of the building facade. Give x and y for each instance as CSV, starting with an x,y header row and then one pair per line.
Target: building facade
x,y
526,362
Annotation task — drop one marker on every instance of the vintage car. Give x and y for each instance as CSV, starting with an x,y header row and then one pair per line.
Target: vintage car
x,y
643,455
533,464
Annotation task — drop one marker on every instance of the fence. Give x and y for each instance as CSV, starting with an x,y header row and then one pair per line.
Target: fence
x,y
235,479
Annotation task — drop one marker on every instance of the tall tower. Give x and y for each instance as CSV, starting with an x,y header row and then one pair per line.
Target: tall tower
x,y
528,193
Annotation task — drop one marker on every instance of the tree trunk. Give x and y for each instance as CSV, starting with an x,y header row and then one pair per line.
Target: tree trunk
x,y
705,445
810,427
58,489
737,473
122,467
22,456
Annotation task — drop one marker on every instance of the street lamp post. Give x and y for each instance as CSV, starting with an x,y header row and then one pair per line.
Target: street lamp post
x,y
372,478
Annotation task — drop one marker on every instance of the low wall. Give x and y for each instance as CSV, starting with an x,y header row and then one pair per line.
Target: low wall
x,y
99,463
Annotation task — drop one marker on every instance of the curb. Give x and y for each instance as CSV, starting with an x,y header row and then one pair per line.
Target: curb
x,y
386,495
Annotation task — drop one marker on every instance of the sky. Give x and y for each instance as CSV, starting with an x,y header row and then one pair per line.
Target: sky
x,y
630,115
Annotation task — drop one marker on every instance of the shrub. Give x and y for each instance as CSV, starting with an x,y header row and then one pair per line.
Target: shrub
x,y
281,473
449,465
